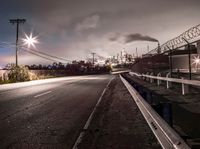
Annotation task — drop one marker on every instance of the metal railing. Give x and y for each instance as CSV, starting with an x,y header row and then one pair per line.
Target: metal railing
x,y
166,136
184,82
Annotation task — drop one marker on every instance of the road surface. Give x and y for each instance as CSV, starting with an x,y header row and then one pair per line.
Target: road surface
x,y
47,114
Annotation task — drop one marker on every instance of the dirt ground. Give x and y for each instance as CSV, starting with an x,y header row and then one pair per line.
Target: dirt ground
x,y
118,123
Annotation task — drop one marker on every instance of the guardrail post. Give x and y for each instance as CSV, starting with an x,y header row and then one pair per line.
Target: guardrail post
x,y
131,73
169,84
143,76
139,75
185,88
158,81
151,79
147,78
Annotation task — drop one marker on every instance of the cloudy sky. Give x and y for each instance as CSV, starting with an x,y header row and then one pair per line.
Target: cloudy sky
x,y
72,29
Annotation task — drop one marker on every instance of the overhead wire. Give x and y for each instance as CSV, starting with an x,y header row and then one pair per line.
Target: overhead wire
x,y
47,58
36,53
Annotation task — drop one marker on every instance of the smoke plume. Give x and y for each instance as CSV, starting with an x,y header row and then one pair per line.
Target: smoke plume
x,y
138,37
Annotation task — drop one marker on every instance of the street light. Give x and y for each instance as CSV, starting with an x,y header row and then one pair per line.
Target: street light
x,y
30,40
196,61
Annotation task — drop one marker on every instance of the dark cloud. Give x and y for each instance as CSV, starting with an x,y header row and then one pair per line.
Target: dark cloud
x,y
130,37
114,36
71,27
90,22
138,37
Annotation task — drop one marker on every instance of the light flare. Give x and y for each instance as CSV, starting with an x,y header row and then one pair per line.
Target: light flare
x,y
196,61
30,41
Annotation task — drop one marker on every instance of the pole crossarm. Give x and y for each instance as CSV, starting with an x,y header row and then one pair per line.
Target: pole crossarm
x,y
13,21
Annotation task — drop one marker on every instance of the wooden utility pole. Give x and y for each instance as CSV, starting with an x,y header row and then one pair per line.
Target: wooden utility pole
x,y
17,21
93,58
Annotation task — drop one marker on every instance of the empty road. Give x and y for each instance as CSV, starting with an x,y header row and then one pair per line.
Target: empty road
x,y
48,113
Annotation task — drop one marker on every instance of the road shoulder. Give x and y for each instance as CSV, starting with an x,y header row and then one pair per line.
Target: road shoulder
x,y
118,123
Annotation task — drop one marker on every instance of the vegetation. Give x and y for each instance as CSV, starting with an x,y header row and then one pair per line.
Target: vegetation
x,y
74,68
18,74
34,72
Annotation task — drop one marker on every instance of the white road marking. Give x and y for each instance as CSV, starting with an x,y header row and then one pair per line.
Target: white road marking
x,y
42,94
81,135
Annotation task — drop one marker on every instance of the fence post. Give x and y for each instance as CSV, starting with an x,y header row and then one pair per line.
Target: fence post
x,y
131,73
169,84
185,88
158,81
151,79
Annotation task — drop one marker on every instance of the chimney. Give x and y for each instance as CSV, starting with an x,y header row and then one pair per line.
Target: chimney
x,y
159,49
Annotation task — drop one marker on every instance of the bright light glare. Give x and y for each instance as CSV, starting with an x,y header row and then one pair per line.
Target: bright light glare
x,y
196,60
30,40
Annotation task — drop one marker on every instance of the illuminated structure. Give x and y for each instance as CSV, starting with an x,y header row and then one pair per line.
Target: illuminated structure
x,y
180,59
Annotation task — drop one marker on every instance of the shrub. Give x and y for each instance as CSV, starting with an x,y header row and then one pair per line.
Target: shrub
x,y
18,74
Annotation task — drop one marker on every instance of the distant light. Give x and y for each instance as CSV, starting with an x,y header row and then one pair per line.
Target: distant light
x,y
100,61
30,40
196,60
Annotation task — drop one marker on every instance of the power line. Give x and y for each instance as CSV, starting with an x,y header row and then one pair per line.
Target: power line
x,y
35,51
35,54
5,46
43,56
47,54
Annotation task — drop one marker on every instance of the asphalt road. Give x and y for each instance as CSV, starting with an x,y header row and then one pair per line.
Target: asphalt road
x,y
47,114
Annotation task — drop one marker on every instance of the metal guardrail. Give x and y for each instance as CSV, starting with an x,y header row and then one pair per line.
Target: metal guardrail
x,y
118,72
182,81
166,136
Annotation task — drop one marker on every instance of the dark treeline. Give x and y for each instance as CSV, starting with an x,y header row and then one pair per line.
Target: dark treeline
x,y
74,68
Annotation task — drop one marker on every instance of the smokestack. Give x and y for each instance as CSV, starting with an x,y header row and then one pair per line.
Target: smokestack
x,y
136,51
159,49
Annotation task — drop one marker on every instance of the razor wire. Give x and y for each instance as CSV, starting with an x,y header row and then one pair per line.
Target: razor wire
x,y
191,35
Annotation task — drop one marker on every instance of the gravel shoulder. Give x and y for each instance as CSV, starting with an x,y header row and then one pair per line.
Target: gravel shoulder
x,y
118,123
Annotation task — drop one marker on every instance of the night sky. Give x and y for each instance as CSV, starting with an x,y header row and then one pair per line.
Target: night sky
x,y
74,28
